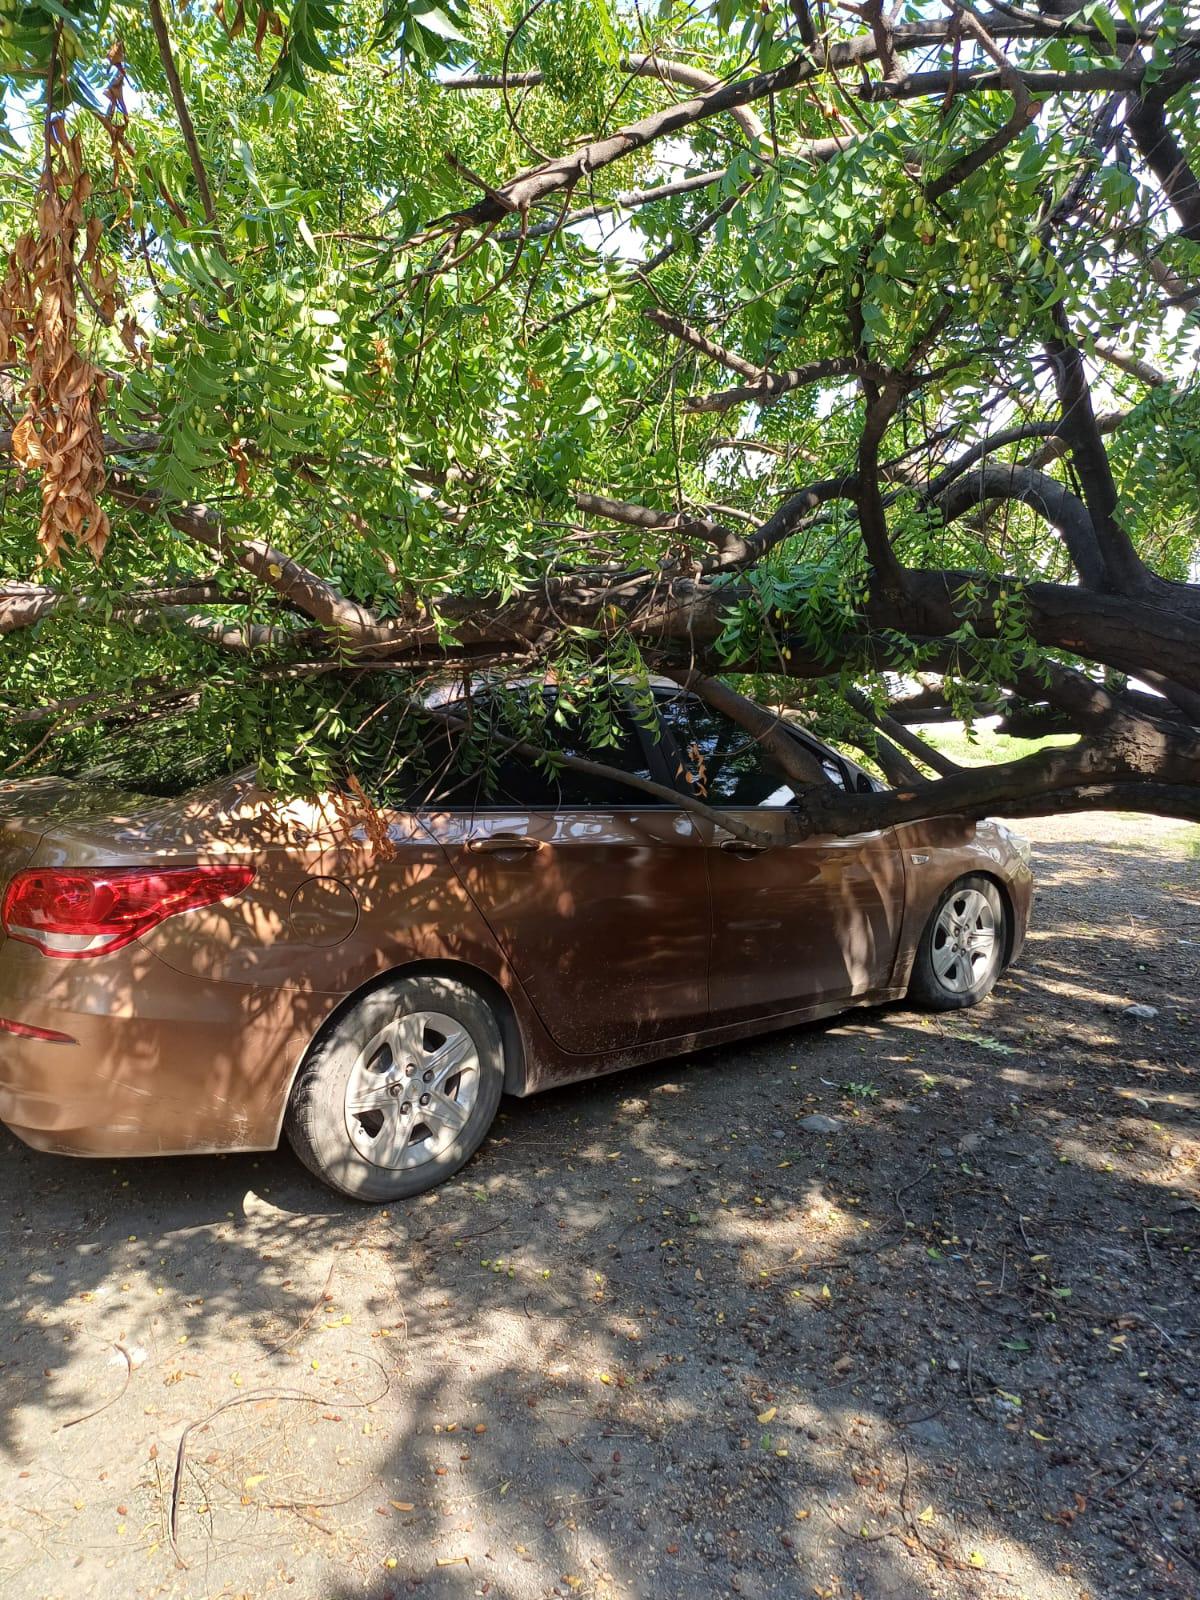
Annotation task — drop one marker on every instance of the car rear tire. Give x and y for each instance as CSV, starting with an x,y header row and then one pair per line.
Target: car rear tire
x,y
962,949
400,1092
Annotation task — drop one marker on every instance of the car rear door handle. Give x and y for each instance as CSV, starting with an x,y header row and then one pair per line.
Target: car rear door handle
x,y
494,843
743,847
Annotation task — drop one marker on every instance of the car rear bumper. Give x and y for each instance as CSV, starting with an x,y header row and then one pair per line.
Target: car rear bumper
x,y
160,1065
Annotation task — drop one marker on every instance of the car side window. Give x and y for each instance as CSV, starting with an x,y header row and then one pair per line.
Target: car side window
x,y
448,772
725,765
834,771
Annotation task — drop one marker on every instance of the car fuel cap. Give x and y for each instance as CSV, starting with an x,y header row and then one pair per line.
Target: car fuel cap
x,y
323,912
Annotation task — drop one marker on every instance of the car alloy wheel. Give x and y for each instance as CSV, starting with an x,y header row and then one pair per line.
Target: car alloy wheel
x,y
412,1090
964,945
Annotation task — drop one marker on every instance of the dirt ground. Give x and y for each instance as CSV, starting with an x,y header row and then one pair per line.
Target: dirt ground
x,y
659,1340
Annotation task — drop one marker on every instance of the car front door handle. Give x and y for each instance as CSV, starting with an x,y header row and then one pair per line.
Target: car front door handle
x,y
743,847
495,843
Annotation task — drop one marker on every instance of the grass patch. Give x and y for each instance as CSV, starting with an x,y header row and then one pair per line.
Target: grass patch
x,y
987,748
1183,837
1180,843
1186,840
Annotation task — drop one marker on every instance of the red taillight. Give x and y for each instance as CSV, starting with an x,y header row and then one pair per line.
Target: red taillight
x,y
26,1030
76,911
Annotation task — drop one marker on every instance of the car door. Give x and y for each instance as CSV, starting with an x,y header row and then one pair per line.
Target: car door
x,y
794,924
598,897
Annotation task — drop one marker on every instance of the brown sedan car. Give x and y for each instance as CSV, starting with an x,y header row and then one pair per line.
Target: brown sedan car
x,y
203,973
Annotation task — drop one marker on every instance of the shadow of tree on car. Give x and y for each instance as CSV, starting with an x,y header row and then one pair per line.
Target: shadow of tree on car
x,y
660,1338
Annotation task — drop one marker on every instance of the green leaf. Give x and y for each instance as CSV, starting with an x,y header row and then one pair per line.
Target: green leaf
x,y
434,20
1100,17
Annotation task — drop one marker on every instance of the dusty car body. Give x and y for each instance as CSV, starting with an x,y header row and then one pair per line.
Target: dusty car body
x,y
598,935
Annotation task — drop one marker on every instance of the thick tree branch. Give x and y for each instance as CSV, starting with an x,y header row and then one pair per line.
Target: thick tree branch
x,y
1121,566
804,21
1185,700
743,551
628,200
241,638
1086,80
999,791
1111,630
706,346
766,728
1137,366
929,704
991,443
814,150
1023,112
22,605
896,767
679,73
353,624
598,769
1045,495
1087,775
1123,633
639,516
882,401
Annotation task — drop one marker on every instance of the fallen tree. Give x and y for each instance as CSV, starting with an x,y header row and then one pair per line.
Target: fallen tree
x,y
418,415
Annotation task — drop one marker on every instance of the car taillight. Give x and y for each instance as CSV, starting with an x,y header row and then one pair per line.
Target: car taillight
x,y
72,912
26,1030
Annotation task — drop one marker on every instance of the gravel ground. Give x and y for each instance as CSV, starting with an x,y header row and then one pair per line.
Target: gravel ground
x,y
660,1339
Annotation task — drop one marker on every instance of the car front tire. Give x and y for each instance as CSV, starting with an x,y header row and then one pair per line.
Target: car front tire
x,y
962,950
400,1091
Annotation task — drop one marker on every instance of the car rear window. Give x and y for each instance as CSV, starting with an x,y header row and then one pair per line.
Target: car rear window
x,y
162,756
413,768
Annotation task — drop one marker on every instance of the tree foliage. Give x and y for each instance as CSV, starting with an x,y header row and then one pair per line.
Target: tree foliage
x,y
849,351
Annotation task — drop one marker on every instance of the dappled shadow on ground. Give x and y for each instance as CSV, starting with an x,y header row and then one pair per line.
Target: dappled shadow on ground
x,y
660,1339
